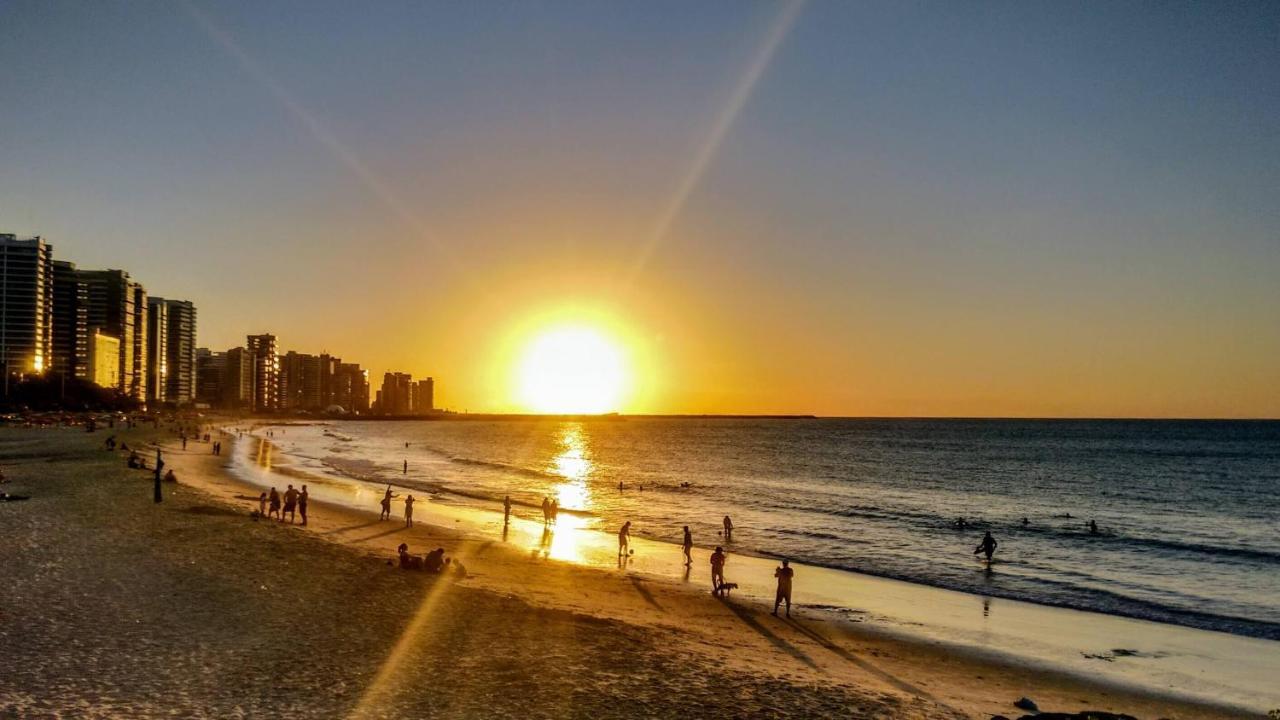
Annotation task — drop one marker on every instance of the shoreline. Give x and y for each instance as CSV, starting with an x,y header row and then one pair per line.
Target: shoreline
x,y
851,627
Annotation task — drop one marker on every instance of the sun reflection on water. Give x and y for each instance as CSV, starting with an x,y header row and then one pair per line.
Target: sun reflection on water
x,y
573,463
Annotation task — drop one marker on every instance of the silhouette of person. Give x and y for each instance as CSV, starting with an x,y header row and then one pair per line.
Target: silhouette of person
x,y
546,510
688,546
624,538
717,569
506,510
386,505
406,467
784,575
555,510
1093,527
987,546
262,504
728,529
302,504
290,505
273,500
408,511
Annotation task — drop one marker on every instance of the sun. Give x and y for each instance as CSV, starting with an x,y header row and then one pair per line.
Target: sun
x,y
572,369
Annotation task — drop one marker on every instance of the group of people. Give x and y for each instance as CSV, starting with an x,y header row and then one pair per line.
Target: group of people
x,y
550,509
432,562
294,504
385,514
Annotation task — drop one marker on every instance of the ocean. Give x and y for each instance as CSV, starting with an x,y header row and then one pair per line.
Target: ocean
x,y
1188,512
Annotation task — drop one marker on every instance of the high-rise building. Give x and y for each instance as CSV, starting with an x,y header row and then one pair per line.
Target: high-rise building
x,y
266,372
26,305
350,388
70,322
238,388
157,332
301,379
424,399
104,360
113,310
210,368
396,395
178,344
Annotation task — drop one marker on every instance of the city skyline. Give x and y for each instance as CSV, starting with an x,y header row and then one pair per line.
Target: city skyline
x,y
768,208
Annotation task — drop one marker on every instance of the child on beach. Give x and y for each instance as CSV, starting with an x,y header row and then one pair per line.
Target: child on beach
x,y
262,505
688,547
408,511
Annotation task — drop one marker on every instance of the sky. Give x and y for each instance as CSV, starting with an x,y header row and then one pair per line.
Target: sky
x,y
888,209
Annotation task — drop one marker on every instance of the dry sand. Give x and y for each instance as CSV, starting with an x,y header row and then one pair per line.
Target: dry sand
x,y
113,606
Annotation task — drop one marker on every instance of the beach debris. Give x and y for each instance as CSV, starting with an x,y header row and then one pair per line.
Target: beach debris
x,y
1026,703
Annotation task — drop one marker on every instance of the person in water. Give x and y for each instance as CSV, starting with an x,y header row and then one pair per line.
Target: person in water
x,y
987,546
784,575
408,511
728,529
624,538
1093,527
688,547
386,505
717,569
506,510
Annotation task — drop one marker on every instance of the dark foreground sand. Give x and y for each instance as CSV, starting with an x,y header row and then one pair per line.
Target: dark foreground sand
x,y
112,606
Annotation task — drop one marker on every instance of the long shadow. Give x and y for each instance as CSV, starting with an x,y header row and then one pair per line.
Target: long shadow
x,y
392,531
335,531
644,593
745,616
854,659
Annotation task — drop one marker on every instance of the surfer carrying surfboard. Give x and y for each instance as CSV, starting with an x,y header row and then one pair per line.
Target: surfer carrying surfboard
x,y
987,546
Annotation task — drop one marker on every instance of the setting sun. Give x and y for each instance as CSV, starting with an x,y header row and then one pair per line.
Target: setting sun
x,y
572,369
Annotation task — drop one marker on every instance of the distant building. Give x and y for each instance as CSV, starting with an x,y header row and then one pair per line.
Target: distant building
x,y
396,395
26,305
350,387
302,378
157,367
210,367
266,372
178,344
424,400
113,310
238,387
104,360
70,322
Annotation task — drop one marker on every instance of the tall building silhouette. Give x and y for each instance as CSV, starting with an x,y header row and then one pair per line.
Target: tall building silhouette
x,y
70,322
266,372
26,305
113,310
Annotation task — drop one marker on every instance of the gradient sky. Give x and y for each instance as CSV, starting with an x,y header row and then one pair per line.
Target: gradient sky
x,y
1015,209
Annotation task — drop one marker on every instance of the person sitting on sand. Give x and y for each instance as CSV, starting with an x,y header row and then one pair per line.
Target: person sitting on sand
x,y
262,505
386,505
408,511
784,575
624,538
987,546
134,462
717,569
273,500
302,504
459,571
728,529
434,562
688,547
290,505
170,477
407,561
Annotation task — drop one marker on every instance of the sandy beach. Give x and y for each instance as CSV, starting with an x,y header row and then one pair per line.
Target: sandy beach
x,y
114,606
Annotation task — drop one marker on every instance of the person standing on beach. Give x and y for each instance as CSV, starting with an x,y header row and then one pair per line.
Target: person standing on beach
x,y
784,575
408,511
546,510
302,504
290,505
987,546
717,569
406,467
728,529
273,499
688,547
262,505
555,510
386,505
506,511
624,538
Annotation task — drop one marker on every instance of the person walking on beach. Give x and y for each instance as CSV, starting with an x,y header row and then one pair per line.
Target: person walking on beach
x,y
290,505
273,499
302,504
408,511
784,575
717,570
688,547
506,511
555,510
386,504
987,546
546,510
624,538
728,529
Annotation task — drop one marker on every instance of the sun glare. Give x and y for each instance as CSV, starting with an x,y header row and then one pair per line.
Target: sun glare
x,y
572,369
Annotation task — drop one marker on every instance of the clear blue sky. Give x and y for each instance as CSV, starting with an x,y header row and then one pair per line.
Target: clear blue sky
x,y
922,208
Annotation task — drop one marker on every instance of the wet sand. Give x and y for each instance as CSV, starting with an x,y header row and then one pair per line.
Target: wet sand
x,y
114,606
